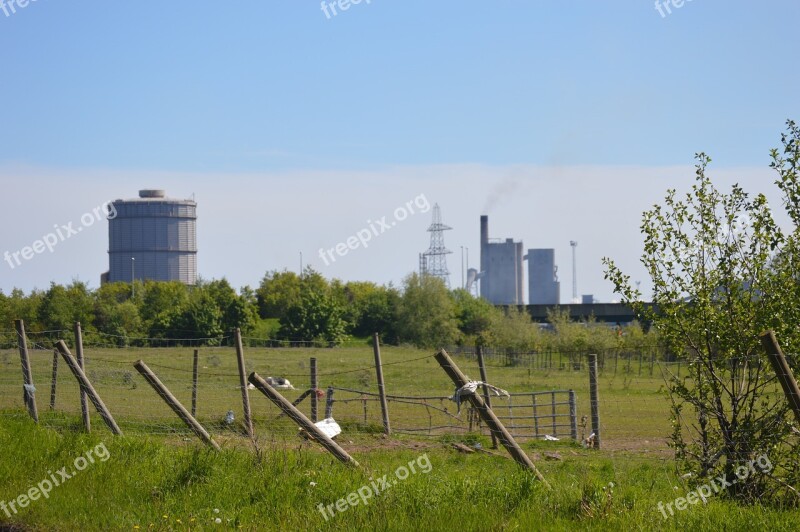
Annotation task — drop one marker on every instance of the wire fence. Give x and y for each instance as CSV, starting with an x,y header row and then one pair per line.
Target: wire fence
x,y
549,392
644,360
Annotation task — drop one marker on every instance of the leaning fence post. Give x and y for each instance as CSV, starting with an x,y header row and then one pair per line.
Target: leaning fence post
x,y
376,346
174,404
782,371
573,417
488,415
314,386
300,418
195,358
248,420
594,400
28,390
482,368
87,387
87,421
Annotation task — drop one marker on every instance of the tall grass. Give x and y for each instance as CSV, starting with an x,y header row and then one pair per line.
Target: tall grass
x,y
147,484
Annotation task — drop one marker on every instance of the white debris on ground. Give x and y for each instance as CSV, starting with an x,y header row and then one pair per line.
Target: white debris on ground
x,y
550,438
329,426
279,382
276,382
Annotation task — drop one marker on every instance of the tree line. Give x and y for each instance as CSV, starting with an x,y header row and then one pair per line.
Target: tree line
x,y
300,308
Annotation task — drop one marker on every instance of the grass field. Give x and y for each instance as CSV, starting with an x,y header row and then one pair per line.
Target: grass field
x,y
159,477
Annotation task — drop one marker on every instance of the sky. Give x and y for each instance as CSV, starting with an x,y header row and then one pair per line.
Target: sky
x,y
295,128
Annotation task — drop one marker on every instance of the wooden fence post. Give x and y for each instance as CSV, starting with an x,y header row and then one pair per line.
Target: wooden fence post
x,y
87,387
594,399
573,416
174,404
54,381
28,390
248,419
87,421
782,371
329,403
376,347
195,361
488,415
300,418
314,386
482,368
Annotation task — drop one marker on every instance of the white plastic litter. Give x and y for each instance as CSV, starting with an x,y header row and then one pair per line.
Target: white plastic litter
x,y
471,387
280,383
329,426
550,438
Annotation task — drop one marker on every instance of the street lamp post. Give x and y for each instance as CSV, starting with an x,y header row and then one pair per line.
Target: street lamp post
x,y
462,267
133,269
467,267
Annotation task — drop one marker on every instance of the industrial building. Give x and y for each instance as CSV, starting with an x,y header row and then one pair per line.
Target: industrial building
x,y
501,275
153,237
543,285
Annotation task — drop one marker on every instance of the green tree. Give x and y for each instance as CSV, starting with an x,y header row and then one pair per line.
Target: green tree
x,y
22,307
716,286
476,317
578,338
5,312
317,317
115,314
379,314
161,305
368,308
62,306
236,311
200,318
513,329
426,315
6,320
277,292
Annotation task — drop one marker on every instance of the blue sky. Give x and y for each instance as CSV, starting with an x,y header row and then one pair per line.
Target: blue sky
x,y
292,128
